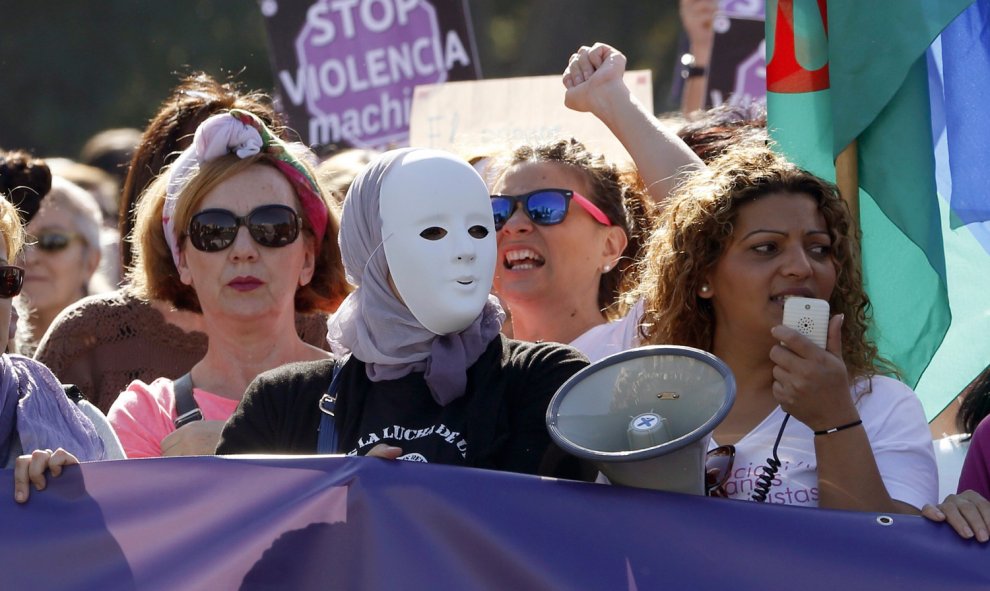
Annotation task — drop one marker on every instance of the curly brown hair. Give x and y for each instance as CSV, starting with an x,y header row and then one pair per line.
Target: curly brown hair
x,y
694,231
154,275
619,193
711,133
196,98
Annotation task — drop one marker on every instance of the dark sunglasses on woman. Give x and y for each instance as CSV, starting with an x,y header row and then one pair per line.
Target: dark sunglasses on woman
x,y
545,207
54,241
718,467
11,281
274,226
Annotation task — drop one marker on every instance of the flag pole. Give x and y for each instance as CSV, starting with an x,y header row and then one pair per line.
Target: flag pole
x,y
847,178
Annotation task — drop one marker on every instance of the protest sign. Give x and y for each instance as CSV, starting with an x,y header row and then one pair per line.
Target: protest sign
x,y
738,72
743,8
475,117
346,69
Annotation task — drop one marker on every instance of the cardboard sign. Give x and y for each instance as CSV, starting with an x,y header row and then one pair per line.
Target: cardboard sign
x,y
346,69
474,117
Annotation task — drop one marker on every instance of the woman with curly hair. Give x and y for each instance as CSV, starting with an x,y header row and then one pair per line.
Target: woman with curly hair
x,y
733,243
570,223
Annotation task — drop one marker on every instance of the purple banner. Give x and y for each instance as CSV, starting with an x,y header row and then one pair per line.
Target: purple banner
x,y
346,69
358,523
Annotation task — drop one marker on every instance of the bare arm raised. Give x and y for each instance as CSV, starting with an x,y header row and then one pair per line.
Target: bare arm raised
x,y
594,83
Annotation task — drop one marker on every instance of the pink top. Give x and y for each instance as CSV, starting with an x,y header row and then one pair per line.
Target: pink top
x,y
143,413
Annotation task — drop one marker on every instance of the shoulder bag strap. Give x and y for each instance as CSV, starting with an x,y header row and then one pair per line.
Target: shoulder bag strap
x,y
326,443
73,392
186,409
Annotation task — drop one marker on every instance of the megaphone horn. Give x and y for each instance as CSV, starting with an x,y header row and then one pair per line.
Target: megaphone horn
x,y
645,416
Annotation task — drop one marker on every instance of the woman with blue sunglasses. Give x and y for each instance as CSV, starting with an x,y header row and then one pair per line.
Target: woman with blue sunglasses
x,y
570,222
238,231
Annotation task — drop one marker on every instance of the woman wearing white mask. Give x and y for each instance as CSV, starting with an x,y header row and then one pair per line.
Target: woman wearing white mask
x,y
424,373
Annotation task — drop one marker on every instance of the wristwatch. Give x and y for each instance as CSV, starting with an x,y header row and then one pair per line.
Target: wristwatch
x,y
690,69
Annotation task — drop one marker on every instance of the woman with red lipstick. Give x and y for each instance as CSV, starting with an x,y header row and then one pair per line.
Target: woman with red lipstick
x,y
103,342
570,222
733,242
237,230
422,372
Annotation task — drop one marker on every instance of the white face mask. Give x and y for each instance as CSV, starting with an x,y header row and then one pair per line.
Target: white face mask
x,y
439,236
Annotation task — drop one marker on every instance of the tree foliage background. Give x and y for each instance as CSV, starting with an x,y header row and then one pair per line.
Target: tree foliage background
x,y
71,68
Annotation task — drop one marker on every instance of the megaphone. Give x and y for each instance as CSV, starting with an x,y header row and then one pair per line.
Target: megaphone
x,y
645,416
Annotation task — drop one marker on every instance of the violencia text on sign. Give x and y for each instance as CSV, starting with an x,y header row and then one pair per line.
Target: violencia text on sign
x,y
358,62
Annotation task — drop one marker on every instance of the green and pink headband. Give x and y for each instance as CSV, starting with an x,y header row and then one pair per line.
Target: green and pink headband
x,y
242,133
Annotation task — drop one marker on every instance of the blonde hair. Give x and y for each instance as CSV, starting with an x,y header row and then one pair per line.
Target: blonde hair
x,y
10,227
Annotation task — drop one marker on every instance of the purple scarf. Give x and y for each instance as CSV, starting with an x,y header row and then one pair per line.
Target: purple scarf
x,y
33,403
378,328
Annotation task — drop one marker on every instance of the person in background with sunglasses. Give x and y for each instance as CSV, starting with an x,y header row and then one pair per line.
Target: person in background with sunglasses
x,y
237,230
570,222
422,372
63,256
104,342
733,242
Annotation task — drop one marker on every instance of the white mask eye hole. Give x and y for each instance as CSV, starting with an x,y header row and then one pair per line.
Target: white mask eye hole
x,y
478,232
433,233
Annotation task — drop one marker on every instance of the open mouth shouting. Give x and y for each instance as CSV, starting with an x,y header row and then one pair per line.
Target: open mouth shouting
x,y
521,259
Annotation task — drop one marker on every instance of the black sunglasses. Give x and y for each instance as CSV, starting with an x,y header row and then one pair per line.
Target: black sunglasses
x,y
718,467
11,281
212,230
54,241
545,207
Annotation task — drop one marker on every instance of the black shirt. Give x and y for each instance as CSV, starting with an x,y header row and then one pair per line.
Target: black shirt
x,y
499,423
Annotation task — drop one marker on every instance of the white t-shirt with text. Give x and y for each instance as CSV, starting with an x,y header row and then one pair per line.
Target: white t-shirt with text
x,y
898,432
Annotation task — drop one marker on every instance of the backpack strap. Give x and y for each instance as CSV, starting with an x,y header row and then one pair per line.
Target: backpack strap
x,y
186,409
73,392
327,440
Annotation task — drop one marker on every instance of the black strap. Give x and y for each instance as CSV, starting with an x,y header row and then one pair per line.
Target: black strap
x,y
326,442
186,409
73,392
